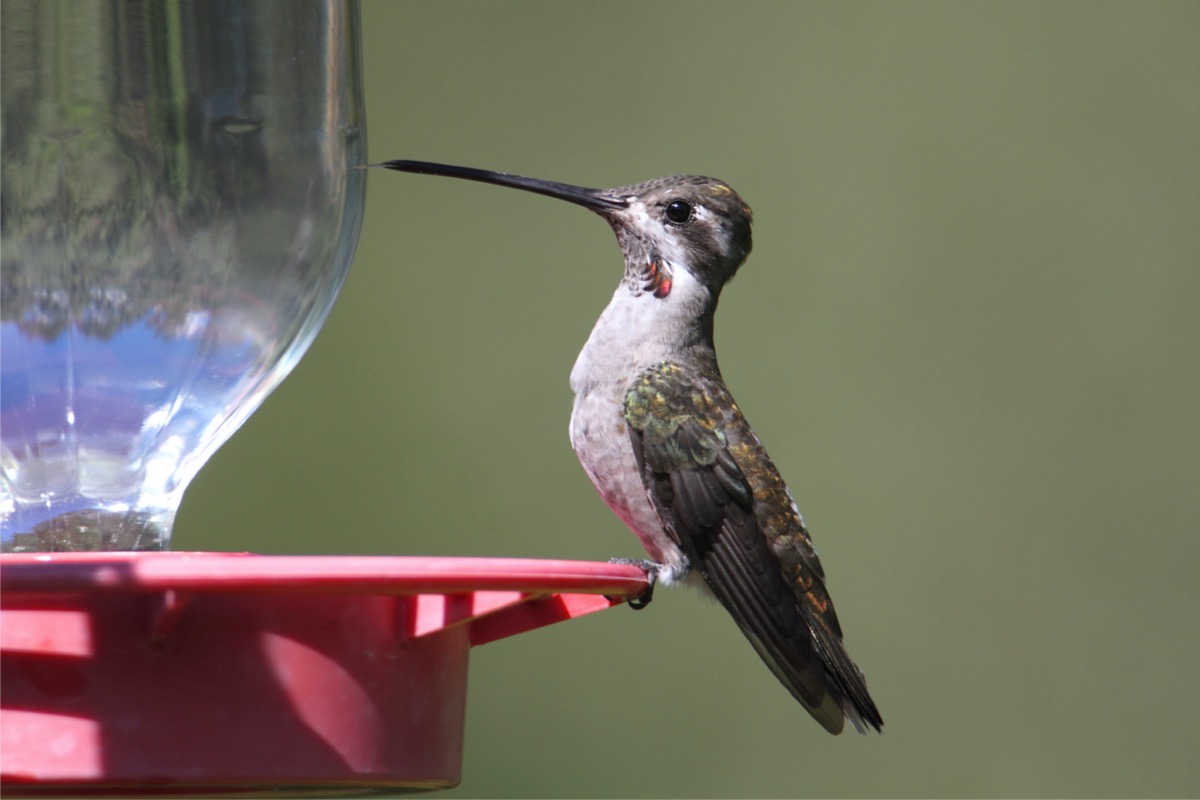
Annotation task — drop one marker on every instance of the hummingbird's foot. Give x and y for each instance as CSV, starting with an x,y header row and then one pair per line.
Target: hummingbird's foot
x,y
651,568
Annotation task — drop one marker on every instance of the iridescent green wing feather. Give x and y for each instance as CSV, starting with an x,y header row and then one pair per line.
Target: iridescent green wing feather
x,y
722,500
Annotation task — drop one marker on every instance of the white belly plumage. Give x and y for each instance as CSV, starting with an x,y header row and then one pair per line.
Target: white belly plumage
x,y
636,331
601,440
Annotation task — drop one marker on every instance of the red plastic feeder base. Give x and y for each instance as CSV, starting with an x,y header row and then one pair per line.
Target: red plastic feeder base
x,y
215,673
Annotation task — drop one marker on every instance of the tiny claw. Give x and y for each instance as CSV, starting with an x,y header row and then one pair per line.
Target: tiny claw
x,y
651,568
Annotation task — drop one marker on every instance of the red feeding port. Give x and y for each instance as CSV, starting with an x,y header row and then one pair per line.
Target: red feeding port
x,y
214,673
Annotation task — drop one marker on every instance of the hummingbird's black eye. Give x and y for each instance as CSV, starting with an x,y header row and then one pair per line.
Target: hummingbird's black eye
x,y
679,211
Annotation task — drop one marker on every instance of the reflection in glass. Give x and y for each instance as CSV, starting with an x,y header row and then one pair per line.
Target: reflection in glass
x,y
180,205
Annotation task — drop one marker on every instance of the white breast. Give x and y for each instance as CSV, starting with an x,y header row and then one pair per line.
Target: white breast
x,y
634,333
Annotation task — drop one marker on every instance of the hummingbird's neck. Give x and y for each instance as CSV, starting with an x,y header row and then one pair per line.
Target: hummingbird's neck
x,y
642,327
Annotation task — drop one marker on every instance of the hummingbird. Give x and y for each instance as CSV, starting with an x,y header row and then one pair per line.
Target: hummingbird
x,y
659,434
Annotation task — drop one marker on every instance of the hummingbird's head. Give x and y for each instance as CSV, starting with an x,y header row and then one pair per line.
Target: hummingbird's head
x,y
681,222
686,222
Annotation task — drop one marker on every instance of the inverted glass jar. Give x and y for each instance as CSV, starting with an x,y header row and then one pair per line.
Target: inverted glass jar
x,y
181,201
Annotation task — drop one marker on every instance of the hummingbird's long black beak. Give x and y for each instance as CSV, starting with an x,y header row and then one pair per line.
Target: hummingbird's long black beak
x,y
595,199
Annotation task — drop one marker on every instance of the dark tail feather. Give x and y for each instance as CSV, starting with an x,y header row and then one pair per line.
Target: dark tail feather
x,y
801,651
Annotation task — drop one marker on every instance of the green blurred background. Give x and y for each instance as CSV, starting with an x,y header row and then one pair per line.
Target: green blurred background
x,y
969,335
